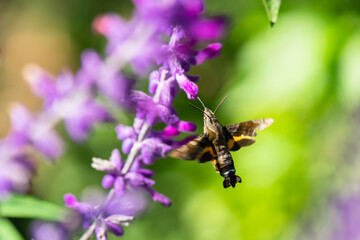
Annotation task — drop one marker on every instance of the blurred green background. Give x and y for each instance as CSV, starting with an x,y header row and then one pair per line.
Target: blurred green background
x,y
304,73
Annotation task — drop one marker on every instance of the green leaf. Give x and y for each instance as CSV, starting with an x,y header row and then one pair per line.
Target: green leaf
x,y
8,231
29,207
272,8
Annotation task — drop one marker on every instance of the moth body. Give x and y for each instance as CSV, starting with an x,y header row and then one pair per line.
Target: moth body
x,y
223,161
217,141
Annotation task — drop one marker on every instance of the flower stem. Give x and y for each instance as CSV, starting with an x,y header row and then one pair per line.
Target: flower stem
x,y
87,235
135,150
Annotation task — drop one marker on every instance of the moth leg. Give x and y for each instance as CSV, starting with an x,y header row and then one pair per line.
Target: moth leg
x,y
215,164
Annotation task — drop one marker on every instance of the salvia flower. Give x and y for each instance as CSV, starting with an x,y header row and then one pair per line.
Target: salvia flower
x,y
140,42
69,100
107,214
160,43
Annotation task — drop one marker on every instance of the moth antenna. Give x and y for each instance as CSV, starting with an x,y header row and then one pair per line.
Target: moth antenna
x,y
201,102
198,109
220,103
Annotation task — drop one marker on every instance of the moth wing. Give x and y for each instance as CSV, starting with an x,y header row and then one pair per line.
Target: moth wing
x,y
243,134
200,149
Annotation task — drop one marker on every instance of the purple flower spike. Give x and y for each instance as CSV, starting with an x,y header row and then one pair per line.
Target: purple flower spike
x,y
140,43
189,87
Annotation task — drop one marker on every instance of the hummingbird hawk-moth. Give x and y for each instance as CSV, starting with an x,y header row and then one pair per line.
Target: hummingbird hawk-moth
x,y
217,141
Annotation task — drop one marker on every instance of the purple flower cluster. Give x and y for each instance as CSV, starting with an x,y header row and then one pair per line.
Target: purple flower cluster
x,y
160,33
102,214
182,22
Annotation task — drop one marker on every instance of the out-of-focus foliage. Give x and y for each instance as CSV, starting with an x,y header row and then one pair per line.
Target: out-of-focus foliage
x,y
304,73
272,8
29,207
8,230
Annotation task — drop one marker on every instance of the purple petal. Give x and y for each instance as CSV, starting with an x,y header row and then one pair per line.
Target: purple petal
x,y
110,25
42,83
21,118
115,229
189,87
108,181
183,126
124,132
48,143
116,159
146,172
138,179
137,164
208,30
127,145
65,83
15,141
192,7
90,69
153,111
133,202
168,92
169,131
70,200
16,172
120,187
158,197
153,148
82,207
138,123
211,51
166,114
154,80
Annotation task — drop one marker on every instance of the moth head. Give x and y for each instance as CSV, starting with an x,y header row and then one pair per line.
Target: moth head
x,y
209,116
210,120
231,179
